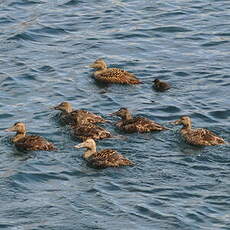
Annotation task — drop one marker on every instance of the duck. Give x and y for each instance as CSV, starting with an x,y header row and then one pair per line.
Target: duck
x,y
69,116
130,124
112,75
161,85
104,158
83,130
199,136
28,142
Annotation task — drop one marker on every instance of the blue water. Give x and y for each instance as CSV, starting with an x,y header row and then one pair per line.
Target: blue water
x,y
45,50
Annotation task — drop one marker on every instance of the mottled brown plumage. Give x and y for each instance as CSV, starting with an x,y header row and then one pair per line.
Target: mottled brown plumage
x,y
83,130
160,85
104,158
28,142
202,137
112,75
137,124
69,116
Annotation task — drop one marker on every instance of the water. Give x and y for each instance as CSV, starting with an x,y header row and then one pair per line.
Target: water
x,y
45,49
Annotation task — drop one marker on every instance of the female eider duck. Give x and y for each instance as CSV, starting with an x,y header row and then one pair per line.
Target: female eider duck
x,y
83,130
160,85
131,124
112,75
69,116
104,158
202,137
28,142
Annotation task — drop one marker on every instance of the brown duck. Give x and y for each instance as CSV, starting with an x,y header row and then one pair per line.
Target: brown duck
x,y
83,130
161,85
28,142
112,75
202,137
131,124
69,116
104,158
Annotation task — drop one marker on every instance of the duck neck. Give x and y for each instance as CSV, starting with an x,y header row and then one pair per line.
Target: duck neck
x,y
89,152
100,71
18,136
187,126
127,116
69,109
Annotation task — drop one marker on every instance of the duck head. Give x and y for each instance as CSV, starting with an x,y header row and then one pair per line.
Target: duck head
x,y
123,113
64,107
184,120
99,64
156,81
18,127
89,144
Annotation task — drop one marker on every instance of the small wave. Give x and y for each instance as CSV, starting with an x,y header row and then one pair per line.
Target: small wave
x,y
72,3
214,43
171,29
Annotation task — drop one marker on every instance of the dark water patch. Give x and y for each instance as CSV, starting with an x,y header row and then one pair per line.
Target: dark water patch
x,y
26,36
48,31
72,3
171,14
224,114
214,43
181,74
171,29
223,34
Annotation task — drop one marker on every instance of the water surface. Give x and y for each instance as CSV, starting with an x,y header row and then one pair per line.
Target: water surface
x,y
45,49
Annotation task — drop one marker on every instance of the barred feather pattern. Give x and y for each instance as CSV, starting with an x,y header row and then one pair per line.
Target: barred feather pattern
x,y
108,158
85,131
34,143
201,137
139,124
115,75
71,118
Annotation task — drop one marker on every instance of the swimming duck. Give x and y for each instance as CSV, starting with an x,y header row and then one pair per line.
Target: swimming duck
x,y
112,75
131,124
160,85
197,136
83,130
69,116
104,158
28,142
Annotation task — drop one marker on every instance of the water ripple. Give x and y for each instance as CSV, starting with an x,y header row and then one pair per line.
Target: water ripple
x,y
46,48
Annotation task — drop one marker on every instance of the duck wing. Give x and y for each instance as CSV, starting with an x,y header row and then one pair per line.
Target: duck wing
x,y
141,124
203,137
108,158
89,130
115,75
34,143
90,117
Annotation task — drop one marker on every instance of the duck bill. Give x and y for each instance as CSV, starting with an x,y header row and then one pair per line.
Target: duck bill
x,y
114,114
82,145
56,107
177,122
11,129
92,66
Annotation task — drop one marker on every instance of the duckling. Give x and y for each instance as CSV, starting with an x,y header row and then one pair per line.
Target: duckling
x,y
104,158
160,85
69,116
136,124
28,142
202,137
83,130
112,75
